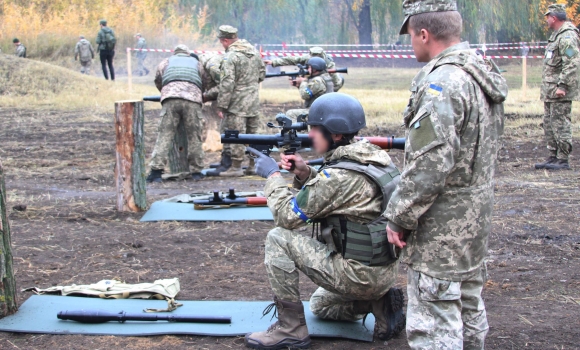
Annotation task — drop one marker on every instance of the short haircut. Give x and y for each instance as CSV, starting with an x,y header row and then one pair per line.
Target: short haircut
x,y
81,36
444,26
560,16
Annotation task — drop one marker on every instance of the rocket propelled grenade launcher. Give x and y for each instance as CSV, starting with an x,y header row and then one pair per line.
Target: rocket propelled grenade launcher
x,y
228,201
303,71
98,316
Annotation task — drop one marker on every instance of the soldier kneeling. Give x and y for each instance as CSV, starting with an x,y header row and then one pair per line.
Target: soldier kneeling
x,y
349,256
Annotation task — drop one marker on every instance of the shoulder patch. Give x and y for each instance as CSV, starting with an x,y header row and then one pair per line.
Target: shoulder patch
x,y
324,174
570,52
435,89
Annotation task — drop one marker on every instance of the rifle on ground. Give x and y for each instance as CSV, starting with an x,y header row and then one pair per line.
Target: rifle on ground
x,y
152,98
303,71
98,316
229,201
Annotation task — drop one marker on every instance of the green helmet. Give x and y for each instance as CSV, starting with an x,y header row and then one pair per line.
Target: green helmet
x,y
317,63
338,113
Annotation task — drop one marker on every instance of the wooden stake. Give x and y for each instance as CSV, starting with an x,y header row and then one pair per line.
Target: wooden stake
x,y
524,75
129,71
8,302
130,159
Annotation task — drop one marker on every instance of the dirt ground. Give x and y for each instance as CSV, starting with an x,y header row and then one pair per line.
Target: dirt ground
x,y
60,165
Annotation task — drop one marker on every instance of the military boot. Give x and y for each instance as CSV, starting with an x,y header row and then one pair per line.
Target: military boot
x,y
549,160
290,331
155,175
251,169
223,165
388,312
559,164
234,171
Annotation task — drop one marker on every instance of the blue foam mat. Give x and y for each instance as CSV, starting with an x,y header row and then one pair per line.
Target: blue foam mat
x,y
38,315
168,211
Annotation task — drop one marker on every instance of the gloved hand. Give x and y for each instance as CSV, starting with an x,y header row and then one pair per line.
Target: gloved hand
x,y
265,166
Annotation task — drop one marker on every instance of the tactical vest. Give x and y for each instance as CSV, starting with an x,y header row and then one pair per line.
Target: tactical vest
x,y
329,88
366,243
182,68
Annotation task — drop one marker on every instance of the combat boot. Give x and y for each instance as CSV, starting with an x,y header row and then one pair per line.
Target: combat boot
x,y
388,312
290,331
155,175
559,164
234,171
223,165
197,176
549,160
251,169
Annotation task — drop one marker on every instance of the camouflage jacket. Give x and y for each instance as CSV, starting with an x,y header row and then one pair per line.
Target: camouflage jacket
x,y
332,192
242,70
141,44
337,78
561,62
84,55
179,89
313,88
211,64
20,51
445,196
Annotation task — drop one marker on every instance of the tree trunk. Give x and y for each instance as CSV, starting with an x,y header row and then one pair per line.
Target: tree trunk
x,y
130,159
177,157
365,25
8,303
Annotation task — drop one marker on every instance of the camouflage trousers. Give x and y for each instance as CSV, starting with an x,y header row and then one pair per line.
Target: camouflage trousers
x,y
294,113
246,125
342,281
173,111
86,67
445,314
558,128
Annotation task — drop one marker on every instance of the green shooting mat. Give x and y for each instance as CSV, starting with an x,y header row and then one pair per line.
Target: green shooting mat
x,y
38,315
167,211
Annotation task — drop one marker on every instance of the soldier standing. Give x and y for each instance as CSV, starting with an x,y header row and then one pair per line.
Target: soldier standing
x,y
316,51
559,87
317,84
85,53
238,101
106,42
441,210
180,80
350,259
141,55
20,49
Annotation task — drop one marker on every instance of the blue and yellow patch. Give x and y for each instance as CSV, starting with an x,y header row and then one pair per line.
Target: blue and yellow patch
x,y
324,174
435,90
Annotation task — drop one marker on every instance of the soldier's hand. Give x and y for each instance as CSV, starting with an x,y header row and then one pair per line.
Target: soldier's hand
x,y
396,238
560,93
268,62
301,170
299,80
265,166
221,114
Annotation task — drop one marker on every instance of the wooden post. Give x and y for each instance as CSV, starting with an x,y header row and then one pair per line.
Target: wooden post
x,y
129,71
177,157
524,75
130,158
8,303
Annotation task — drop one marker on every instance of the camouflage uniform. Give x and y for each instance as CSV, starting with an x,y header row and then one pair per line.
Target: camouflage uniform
x,y
445,198
310,90
332,192
561,63
181,101
211,64
337,79
242,70
20,51
85,53
141,55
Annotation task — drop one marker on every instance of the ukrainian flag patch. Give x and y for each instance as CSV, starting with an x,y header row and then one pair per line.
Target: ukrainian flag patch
x,y
435,89
324,174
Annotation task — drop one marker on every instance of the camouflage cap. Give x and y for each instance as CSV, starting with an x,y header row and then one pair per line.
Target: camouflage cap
x,y
227,32
15,40
181,49
415,7
556,8
316,51
103,22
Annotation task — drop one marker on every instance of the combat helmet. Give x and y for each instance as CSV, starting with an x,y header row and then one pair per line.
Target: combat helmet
x,y
337,112
317,63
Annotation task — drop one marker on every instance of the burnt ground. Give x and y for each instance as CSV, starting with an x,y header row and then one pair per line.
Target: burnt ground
x,y
60,165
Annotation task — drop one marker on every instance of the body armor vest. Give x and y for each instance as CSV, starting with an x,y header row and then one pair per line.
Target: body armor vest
x,y
182,68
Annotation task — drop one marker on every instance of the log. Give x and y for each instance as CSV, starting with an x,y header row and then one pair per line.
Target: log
x,y
8,302
130,156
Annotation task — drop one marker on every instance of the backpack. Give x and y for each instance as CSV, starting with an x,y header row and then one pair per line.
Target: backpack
x,y
109,39
85,51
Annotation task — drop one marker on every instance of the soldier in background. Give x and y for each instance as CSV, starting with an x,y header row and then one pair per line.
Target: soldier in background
x,y
238,100
106,42
559,87
84,53
441,210
337,79
141,55
20,49
315,85
180,80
